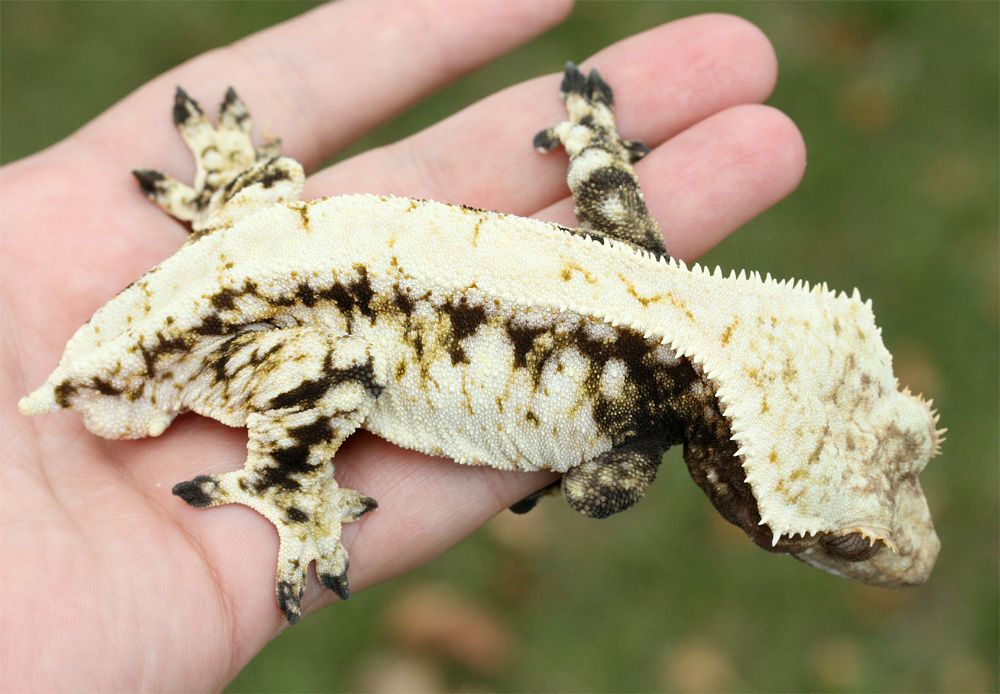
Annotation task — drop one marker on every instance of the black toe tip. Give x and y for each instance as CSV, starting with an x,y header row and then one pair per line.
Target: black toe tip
x,y
573,80
524,505
598,89
184,105
193,492
289,601
636,150
544,141
147,180
338,584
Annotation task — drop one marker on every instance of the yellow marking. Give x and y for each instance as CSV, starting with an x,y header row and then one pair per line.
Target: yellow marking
x,y
644,300
466,396
789,373
727,334
680,305
569,267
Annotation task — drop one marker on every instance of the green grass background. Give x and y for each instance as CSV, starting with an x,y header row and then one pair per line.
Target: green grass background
x,y
898,103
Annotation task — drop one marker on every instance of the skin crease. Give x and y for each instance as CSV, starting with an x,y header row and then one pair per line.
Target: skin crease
x,y
99,557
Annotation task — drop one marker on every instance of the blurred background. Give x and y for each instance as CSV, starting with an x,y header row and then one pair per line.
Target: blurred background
x,y
898,103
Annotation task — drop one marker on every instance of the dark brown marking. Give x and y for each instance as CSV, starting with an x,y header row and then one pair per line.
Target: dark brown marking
x,y
266,175
302,396
161,348
212,324
296,515
402,301
64,392
653,389
305,294
308,393
465,321
224,300
523,339
104,387
293,460
356,295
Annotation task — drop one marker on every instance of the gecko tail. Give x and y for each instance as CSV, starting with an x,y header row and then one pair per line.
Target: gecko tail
x,y
39,401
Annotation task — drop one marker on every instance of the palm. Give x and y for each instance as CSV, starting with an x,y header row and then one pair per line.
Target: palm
x,y
98,554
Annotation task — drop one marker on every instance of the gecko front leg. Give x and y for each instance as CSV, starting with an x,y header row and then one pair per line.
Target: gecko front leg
x,y
600,175
614,480
302,393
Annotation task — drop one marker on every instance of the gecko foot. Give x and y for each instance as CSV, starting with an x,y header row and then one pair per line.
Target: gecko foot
x,y
222,153
308,521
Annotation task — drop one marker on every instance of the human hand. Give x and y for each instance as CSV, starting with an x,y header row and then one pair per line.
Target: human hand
x,y
109,581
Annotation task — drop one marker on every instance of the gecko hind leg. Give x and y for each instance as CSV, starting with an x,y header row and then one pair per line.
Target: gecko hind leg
x,y
227,162
604,185
304,401
614,480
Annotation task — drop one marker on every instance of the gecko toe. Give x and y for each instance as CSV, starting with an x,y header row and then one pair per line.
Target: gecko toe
x,y
337,583
198,492
289,600
185,108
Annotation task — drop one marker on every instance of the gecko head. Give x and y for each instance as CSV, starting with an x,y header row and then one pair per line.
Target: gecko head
x,y
829,445
904,550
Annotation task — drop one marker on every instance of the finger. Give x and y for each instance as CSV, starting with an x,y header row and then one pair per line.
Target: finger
x,y
664,80
714,177
322,79
319,93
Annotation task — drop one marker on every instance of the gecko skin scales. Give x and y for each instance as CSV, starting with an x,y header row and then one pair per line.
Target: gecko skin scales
x,y
306,320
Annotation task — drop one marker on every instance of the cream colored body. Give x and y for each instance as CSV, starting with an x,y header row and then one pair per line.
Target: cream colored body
x,y
231,327
798,370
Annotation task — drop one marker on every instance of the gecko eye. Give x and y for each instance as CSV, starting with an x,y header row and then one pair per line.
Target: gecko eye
x,y
852,547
